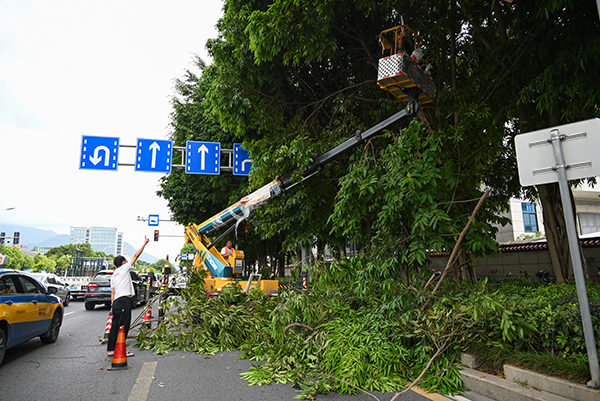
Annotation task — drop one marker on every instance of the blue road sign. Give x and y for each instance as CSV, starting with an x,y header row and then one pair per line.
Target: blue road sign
x,y
153,220
242,163
153,155
99,153
203,158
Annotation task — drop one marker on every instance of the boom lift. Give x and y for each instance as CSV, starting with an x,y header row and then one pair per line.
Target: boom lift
x,y
400,74
405,69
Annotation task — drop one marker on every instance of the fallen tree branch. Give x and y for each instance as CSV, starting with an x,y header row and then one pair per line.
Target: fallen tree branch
x,y
289,326
438,352
350,384
455,250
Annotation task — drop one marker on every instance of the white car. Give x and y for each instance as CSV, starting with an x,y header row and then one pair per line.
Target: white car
x,y
52,280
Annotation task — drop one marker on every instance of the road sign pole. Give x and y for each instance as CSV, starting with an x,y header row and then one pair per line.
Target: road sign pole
x,y
584,305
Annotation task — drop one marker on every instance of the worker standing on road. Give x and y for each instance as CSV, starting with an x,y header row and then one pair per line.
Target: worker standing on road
x,y
121,294
227,250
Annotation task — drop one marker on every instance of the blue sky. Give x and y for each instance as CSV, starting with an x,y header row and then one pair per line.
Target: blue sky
x,y
87,67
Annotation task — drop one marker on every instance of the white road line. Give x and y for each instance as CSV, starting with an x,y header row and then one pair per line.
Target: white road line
x,y
69,313
142,386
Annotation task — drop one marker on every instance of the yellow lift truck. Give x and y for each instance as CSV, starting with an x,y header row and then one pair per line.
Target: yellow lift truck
x,y
404,72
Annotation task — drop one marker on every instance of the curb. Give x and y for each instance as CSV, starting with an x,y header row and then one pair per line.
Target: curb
x,y
521,385
486,387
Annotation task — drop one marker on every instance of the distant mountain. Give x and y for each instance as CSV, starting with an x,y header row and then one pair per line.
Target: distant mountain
x,y
57,240
30,237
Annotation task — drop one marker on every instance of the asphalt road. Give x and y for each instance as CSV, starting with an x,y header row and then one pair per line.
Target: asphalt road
x,y
75,368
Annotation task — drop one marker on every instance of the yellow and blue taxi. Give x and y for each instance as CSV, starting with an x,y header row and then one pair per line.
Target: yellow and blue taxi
x,y
27,310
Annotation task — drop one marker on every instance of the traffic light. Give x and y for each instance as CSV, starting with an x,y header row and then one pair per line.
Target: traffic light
x,y
2,235
167,258
16,238
155,235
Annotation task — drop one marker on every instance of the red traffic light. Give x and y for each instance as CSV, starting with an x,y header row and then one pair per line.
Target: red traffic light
x,y
155,235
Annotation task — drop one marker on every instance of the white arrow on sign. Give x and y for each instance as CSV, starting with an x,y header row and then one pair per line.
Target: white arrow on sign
x,y
154,148
203,150
96,158
244,163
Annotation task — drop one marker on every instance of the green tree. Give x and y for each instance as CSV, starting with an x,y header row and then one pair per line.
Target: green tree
x,y
43,263
533,65
160,264
293,78
16,259
69,249
186,264
62,262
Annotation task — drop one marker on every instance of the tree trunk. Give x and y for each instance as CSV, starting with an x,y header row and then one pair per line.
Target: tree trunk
x,y
464,268
556,231
281,264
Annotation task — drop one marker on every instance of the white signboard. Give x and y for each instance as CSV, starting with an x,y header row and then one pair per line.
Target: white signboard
x,y
580,145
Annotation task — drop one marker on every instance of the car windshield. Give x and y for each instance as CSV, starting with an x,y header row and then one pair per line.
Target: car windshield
x,y
103,276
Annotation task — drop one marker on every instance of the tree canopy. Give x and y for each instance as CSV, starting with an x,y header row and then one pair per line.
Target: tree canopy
x,y
291,79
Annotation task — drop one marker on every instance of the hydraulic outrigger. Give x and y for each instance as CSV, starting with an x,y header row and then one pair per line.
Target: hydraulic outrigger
x,y
404,75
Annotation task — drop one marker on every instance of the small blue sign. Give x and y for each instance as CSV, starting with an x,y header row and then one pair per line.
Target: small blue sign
x,y
153,155
203,158
242,163
99,153
153,220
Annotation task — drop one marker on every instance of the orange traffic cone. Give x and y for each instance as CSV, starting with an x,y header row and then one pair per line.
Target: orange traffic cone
x,y
108,327
148,316
119,361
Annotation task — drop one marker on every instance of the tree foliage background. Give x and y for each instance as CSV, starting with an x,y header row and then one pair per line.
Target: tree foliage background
x,y
290,79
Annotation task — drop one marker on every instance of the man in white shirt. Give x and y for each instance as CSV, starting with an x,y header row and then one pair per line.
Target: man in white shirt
x,y
122,292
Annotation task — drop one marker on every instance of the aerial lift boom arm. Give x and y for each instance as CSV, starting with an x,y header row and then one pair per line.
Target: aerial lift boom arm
x,y
197,233
401,74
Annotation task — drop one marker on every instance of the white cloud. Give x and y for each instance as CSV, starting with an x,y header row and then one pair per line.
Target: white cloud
x,y
71,68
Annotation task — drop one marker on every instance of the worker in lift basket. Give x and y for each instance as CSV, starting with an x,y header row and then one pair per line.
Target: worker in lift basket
x,y
227,250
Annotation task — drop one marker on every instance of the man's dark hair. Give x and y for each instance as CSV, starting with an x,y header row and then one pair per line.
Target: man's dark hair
x,y
119,260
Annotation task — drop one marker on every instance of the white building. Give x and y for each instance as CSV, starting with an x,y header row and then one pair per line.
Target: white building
x,y
527,219
102,239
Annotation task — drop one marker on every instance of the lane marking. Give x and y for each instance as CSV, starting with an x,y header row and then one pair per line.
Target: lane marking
x,y
141,388
68,313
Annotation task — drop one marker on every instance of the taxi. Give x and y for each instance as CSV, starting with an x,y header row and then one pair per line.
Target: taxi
x,y
27,310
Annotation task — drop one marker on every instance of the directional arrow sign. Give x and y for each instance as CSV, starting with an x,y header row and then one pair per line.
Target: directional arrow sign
x,y
99,153
242,163
203,158
154,155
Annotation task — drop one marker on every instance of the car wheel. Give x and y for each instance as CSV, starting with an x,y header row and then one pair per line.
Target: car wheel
x,y
67,299
89,306
54,329
2,345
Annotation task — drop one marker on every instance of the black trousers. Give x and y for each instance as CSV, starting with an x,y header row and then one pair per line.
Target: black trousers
x,y
121,310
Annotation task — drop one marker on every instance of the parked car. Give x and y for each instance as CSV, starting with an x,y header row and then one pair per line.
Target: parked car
x,y
98,290
52,280
27,309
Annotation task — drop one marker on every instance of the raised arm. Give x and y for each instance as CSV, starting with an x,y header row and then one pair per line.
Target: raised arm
x,y
138,253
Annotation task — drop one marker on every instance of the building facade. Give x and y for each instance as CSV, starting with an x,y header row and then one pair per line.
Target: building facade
x,y
527,221
102,239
